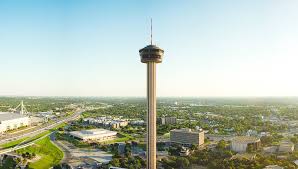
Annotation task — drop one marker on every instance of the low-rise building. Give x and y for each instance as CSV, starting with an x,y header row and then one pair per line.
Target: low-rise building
x,y
240,143
217,137
187,136
286,147
10,121
94,134
107,122
137,122
270,149
273,167
167,120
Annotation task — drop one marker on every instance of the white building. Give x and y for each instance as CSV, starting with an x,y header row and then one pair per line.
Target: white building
x,y
240,143
94,134
10,121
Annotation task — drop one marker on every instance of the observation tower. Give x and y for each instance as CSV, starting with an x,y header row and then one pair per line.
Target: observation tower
x,y
151,55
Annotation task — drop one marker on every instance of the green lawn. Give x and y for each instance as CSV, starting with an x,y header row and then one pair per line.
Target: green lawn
x,y
49,153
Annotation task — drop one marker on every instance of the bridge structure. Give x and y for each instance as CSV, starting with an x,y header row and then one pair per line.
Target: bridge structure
x,y
21,107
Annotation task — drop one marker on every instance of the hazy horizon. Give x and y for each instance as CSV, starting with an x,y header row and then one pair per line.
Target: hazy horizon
x,y
159,96
90,48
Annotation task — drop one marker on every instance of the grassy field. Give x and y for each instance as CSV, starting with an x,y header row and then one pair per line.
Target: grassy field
x,y
49,153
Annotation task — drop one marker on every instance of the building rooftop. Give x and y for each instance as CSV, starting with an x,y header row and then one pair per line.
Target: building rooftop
x,y
93,133
186,130
286,147
273,167
245,139
4,116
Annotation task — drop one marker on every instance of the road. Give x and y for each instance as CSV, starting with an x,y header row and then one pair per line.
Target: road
x,y
76,157
22,145
67,155
36,132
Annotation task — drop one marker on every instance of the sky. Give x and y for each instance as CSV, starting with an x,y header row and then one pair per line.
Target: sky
x,y
90,48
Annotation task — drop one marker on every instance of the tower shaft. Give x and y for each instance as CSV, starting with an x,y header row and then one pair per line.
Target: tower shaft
x,y
151,115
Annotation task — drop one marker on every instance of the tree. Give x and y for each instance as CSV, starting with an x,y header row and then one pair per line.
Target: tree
x,y
266,140
221,145
294,140
127,149
33,155
27,166
182,162
193,147
250,148
104,147
57,166
115,162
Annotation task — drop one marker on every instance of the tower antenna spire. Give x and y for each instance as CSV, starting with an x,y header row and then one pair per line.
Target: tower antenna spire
x,y
151,32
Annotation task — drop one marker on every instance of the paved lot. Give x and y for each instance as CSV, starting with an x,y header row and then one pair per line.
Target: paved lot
x,y
82,156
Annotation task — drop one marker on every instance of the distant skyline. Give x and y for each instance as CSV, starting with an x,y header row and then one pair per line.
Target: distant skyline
x,y
90,48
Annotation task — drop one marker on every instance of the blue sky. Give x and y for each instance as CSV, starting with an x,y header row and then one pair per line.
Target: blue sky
x,y
90,48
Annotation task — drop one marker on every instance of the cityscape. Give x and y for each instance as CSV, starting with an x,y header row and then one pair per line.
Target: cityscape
x,y
111,132
148,84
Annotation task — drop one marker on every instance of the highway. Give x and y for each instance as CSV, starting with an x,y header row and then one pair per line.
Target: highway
x,y
22,145
45,128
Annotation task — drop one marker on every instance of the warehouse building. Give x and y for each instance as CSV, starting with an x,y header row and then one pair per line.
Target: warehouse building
x,y
240,143
187,136
10,121
94,134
